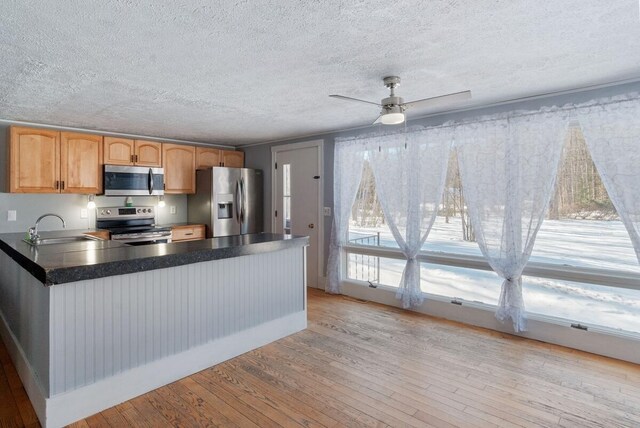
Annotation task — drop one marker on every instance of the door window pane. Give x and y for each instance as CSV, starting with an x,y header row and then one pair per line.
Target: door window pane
x,y
286,198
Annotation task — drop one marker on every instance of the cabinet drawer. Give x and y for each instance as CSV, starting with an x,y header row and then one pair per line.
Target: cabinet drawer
x,y
187,233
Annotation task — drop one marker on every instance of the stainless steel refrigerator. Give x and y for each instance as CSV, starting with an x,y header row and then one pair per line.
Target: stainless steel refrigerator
x,y
228,201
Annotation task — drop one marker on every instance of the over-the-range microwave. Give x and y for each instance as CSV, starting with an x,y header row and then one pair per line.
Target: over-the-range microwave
x,y
133,180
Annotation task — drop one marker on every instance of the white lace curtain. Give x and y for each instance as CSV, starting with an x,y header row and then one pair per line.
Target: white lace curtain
x,y
410,171
508,169
348,162
612,133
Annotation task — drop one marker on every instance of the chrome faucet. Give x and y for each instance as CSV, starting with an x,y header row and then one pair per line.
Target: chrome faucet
x,y
33,231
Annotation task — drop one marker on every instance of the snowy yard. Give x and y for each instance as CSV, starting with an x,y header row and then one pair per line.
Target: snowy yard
x,y
581,243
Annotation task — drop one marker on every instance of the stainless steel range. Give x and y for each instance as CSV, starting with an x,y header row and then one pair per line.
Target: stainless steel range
x,y
132,225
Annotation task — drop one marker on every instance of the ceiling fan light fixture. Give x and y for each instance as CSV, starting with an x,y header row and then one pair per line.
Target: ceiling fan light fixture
x,y
392,115
392,118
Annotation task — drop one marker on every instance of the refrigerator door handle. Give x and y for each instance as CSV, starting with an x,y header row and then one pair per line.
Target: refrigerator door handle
x,y
238,201
243,195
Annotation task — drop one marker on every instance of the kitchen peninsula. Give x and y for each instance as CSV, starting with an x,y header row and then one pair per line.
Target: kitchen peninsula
x,y
91,324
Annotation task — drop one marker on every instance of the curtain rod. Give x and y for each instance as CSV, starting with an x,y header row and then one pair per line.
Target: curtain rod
x,y
499,116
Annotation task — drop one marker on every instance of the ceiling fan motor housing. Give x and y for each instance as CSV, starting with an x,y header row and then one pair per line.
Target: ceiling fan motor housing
x,y
390,102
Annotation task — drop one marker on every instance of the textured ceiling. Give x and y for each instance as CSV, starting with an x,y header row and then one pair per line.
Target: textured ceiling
x,y
237,72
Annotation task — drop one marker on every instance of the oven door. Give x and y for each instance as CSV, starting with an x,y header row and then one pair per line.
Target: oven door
x,y
133,181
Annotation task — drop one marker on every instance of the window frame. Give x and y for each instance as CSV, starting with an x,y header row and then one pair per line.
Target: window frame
x,y
603,277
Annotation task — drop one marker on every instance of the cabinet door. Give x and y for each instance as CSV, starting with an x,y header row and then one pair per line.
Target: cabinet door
x,y
148,153
80,163
179,168
232,159
34,160
207,157
118,151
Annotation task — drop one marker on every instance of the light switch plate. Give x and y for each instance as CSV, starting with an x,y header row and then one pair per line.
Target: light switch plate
x,y
83,213
11,215
327,211
172,209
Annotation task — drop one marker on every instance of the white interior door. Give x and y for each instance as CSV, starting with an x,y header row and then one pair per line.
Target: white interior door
x,y
297,198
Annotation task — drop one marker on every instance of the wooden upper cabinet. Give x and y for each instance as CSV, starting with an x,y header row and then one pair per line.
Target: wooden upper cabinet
x,y
232,159
207,157
179,164
148,153
80,163
34,160
122,151
118,151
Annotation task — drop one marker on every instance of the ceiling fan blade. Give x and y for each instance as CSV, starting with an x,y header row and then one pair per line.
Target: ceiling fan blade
x,y
439,100
342,97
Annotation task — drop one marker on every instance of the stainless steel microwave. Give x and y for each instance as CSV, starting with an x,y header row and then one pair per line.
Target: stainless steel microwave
x,y
133,180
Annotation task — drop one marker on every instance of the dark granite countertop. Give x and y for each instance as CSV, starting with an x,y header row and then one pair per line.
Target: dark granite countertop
x,y
60,263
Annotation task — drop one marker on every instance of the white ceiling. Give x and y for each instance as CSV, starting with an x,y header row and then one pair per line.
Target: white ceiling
x,y
242,71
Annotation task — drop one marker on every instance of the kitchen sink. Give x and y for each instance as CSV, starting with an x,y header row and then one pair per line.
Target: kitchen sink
x,y
62,240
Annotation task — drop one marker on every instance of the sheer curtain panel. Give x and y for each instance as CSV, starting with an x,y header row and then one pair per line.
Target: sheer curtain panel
x,y
347,172
612,133
508,168
410,171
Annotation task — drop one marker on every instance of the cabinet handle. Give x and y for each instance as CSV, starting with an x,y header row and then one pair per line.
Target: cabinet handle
x,y
188,234
136,156
62,185
57,184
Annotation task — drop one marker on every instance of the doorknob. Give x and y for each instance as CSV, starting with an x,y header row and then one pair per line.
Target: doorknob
x,y
311,225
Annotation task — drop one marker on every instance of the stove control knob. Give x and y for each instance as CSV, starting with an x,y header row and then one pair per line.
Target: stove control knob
x,y
149,210
102,212
139,210
144,210
108,212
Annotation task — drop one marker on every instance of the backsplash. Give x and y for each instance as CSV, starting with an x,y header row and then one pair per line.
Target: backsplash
x,y
29,207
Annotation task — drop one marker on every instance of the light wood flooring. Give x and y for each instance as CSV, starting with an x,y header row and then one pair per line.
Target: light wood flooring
x,y
363,364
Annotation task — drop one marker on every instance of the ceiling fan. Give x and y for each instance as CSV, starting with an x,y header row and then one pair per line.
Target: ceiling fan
x,y
393,107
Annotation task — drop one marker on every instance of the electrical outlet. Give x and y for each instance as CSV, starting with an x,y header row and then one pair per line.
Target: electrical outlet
x,y
84,213
172,209
11,215
327,211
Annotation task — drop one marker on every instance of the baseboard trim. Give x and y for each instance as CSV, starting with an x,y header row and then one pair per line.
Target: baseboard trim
x,y
618,346
25,371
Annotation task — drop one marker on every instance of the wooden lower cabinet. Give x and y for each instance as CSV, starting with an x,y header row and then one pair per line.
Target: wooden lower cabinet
x,y
100,234
191,232
179,162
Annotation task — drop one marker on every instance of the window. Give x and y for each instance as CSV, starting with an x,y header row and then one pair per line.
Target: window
x,y
581,231
286,198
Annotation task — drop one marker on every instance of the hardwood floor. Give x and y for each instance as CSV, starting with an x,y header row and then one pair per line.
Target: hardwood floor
x,y
363,364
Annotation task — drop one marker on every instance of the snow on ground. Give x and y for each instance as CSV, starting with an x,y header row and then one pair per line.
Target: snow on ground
x,y
581,243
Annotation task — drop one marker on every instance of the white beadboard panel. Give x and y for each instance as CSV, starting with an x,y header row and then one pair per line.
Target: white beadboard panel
x,y
71,406
107,326
24,303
